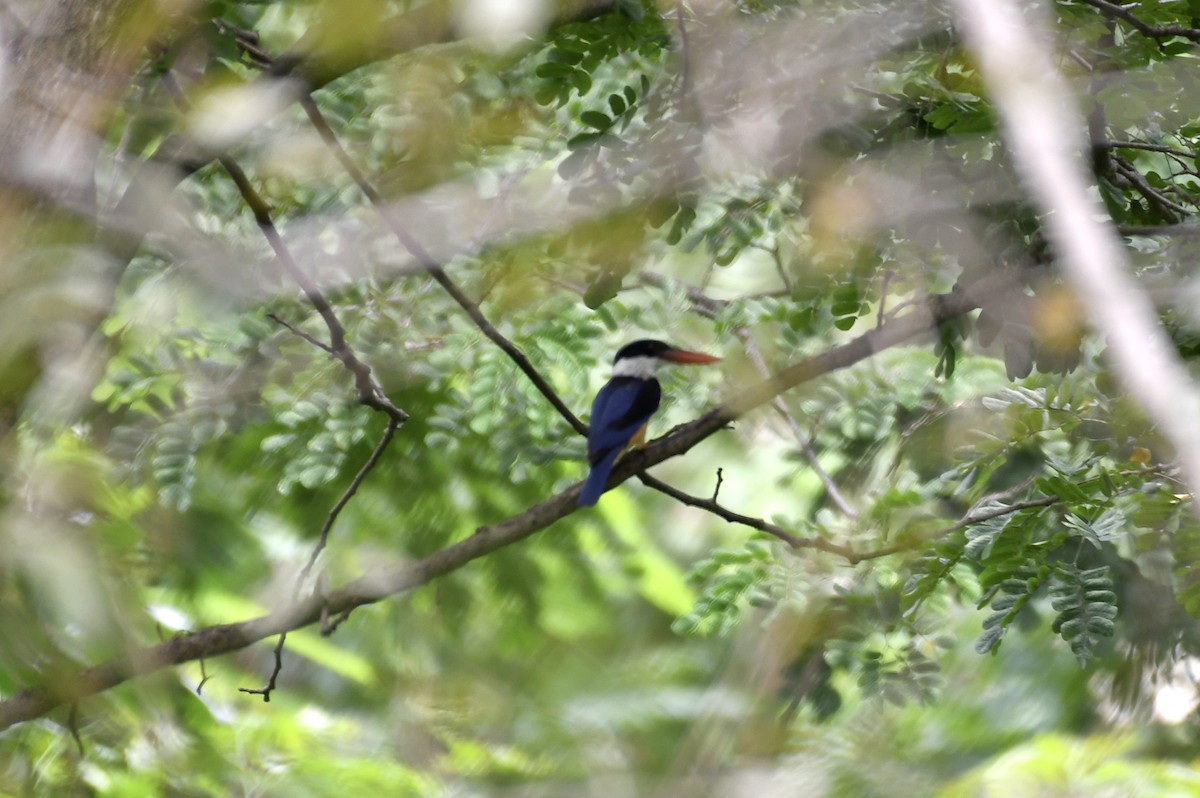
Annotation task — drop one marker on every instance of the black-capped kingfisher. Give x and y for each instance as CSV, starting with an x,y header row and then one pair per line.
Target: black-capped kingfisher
x,y
624,405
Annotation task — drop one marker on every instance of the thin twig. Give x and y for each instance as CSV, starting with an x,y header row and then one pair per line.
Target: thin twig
x,y
1005,496
706,306
204,677
265,692
802,440
883,98
777,259
351,489
1079,59
328,626
1008,509
73,726
370,393
847,553
300,333
711,505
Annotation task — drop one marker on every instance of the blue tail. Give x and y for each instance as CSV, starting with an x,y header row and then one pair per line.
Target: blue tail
x,y
597,480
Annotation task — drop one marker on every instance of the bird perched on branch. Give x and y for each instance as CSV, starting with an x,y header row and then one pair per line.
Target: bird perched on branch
x,y
624,405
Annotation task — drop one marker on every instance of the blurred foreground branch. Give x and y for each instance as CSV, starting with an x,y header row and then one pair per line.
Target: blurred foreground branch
x,y
1046,136
433,23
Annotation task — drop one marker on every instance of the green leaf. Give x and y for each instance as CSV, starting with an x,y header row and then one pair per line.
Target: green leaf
x,y
683,222
581,81
553,70
1086,607
582,140
596,119
632,9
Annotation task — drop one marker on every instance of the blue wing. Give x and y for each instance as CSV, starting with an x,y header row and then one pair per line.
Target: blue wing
x,y
622,407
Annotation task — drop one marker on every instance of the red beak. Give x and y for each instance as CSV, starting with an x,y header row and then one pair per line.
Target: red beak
x,y
684,356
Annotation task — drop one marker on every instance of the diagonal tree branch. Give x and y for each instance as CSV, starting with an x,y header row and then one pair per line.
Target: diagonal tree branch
x,y
762,525
370,393
1148,147
566,11
1168,208
419,26
347,495
34,702
414,247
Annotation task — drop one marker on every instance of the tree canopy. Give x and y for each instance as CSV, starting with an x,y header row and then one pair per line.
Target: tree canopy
x,y
305,304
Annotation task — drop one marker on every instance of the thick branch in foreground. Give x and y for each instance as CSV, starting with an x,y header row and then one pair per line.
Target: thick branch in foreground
x,y
420,26
1045,133
37,701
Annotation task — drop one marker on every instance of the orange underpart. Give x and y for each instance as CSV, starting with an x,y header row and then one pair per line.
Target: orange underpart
x,y
638,441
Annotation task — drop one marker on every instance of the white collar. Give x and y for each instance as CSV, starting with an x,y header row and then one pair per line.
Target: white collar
x,y
643,368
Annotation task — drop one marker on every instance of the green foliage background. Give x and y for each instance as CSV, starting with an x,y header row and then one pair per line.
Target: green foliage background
x,y
1000,600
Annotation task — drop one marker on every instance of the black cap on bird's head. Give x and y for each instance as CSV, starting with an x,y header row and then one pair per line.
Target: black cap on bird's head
x,y
652,352
643,348
662,351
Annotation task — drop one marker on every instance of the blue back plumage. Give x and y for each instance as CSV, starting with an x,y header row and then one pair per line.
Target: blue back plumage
x,y
622,407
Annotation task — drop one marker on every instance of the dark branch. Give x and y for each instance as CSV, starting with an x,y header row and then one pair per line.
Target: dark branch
x,y
369,391
301,334
1165,205
1159,230
265,692
418,251
851,555
355,483
1153,31
1140,145
204,677
73,725
711,505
